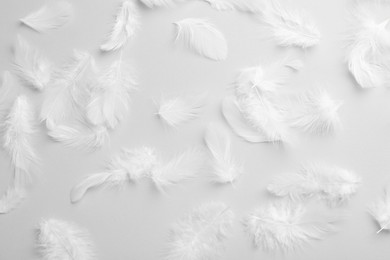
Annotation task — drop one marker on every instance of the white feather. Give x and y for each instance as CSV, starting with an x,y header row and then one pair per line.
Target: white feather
x,y
109,99
158,3
202,37
53,15
130,165
316,112
291,27
380,210
250,6
11,199
331,183
200,235
30,65
125,27
225,168
58,239
176,111
282,227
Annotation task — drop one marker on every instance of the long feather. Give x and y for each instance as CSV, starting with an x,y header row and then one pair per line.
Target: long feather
x,y
202,37
225,168
57,239
380,210
50,16
291,27
30,65
200,235
282,227
126,25
333,184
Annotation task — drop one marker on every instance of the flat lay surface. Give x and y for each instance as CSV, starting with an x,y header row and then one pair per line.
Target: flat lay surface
x,y
134,222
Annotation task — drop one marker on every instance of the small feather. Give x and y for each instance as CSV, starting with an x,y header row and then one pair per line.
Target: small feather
x,y
380,210
50,16
200,235
202,37
11,199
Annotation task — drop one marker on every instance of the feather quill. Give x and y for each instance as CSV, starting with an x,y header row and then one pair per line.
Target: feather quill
x,y
380,210
202,37
30,65
57,239
126,25
331,183
50,16
200,235
225,168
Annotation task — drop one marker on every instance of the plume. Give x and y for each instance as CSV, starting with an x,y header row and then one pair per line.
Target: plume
x,y
202,37
126,25
225,167
380,210
283,227
178,110
158,3
333,184
109,99
57,239
316,112
129,165
30,65
53,15
200,235
291,27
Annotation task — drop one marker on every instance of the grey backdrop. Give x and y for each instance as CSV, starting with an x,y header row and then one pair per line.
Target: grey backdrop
x,y
133,223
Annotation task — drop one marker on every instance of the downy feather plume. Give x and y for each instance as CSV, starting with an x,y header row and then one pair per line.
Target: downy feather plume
x,y
316,112
109,99
283,227
369,45
333,184
125,27
178,110
50,16
225,168
380,210
200,235
158,3
291,27
250,6
57,239
202,37
30,65
129,165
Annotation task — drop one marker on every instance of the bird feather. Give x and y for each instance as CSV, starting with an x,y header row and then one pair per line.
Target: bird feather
x,y
380,210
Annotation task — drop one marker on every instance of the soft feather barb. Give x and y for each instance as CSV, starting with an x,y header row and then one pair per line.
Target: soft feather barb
x,y
284,227
202,37
201,234
30,65
125,27
50,16
380,210
225,168
57,239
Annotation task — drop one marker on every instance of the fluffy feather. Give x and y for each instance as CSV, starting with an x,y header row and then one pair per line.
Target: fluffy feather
x,y
291,27
225,167
50,16
200,235
282,227
30,65
109,99
334,184
316,112
179,110
57,239
380,210
130,165
202,37
125,27
158,3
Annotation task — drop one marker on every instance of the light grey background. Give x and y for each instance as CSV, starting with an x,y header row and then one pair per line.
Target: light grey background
x,y
133,223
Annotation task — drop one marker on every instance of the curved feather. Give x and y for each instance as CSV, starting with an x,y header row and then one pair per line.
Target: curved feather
x,y
200,235
202,37
380,210
50,16
58,239
125,27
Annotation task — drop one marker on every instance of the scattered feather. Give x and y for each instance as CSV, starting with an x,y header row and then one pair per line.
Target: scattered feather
x,y
202,37
200,235
380,210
